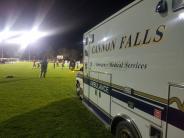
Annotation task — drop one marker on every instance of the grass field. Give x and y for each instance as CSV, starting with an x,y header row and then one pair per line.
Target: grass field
x,y
31,107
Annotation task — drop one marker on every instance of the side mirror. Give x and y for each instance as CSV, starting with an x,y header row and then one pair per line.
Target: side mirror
x,y
161,7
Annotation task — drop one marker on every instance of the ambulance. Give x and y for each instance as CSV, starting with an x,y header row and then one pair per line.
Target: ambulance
x,y
133,75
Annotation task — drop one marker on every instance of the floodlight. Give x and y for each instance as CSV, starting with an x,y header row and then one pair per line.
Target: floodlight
x,y
24,38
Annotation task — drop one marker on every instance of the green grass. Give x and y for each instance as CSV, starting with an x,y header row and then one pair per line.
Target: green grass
x,y
31,107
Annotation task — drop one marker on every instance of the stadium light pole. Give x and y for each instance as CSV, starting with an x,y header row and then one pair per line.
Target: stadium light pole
x,y
29,54
2,52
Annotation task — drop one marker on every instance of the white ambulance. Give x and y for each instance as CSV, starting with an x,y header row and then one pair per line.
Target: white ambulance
x,y
133,77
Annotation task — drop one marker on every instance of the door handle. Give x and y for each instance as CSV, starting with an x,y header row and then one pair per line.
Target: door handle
x,y
99,94
96,92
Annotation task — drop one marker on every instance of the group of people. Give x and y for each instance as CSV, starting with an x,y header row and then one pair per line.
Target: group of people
x,y
71,64
44,63
56,64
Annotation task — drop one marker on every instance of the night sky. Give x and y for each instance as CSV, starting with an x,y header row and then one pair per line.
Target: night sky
x,y
66,19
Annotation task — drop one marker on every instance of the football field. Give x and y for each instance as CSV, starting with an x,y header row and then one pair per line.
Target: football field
x,y
31,107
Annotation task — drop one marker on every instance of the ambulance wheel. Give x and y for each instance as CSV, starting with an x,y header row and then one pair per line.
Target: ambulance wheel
x,y
125,130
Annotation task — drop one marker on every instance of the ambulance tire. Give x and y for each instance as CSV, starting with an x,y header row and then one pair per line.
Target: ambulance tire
x,y
126,130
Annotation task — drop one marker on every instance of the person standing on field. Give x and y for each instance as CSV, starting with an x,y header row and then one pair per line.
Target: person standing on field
x,y
54,64
62,64
72,65
43,68
34,64
57,63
